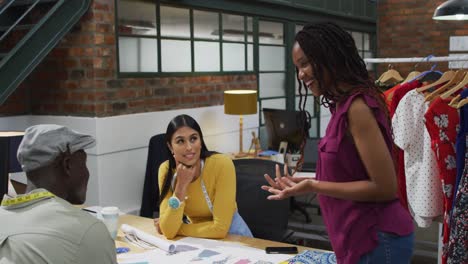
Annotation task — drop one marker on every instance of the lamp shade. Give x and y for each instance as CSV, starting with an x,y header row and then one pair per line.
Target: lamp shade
x,y
240,102
452,10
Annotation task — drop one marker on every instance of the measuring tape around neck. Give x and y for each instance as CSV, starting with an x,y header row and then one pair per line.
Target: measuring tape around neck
x,y
26,198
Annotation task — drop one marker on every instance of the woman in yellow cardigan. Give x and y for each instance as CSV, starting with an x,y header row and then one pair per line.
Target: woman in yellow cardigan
x,y
198,187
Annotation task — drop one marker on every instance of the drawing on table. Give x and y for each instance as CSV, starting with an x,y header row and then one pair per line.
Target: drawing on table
x,y
206,253
263,262
184,248
223,261
243,261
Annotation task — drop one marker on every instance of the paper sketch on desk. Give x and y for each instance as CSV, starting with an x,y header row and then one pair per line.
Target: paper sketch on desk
x,y
207,251
147,241
237,251
243,261
133,260
157,256
204,254
184,248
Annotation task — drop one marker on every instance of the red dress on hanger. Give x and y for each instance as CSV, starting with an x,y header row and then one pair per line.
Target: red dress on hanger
x,y
441,121
389,95
397,95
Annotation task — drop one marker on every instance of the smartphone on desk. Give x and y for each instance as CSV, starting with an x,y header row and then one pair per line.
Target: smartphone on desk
x,y
281,250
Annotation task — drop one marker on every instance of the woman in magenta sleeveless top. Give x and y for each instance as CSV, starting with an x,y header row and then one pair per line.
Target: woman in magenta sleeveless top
x,y
356,179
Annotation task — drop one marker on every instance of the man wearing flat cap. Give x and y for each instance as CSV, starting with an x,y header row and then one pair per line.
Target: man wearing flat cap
x,y
42,226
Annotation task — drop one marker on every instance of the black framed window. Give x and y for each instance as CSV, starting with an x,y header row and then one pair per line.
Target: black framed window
x,y
157,39
273,54
161,39
137,37
364,45
272,59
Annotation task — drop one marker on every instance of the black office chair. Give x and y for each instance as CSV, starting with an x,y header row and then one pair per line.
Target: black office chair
x,y
309,165
8,162
266,219
157,154
310,155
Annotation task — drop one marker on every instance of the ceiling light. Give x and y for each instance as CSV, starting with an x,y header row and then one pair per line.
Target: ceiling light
x,y
452,10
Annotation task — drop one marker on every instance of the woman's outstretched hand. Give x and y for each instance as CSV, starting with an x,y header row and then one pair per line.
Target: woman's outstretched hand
x,y
284,186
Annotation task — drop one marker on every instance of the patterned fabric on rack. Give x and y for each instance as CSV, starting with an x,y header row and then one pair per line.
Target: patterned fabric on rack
x,y
460,144
422,184
441,121
457,251
398,94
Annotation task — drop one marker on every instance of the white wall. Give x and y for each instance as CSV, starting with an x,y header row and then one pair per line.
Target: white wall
x,y
117,164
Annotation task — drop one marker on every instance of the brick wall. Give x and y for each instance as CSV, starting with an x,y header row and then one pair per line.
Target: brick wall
x,y
79,78
406,29
17,103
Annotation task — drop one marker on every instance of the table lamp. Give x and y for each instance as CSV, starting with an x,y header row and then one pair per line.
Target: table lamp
x,y
240,102
9,143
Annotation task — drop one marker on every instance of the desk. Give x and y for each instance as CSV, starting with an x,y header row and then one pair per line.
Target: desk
x,y
146,225
252,156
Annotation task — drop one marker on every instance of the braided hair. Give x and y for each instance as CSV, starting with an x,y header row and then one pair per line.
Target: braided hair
x,y
332,52
176,123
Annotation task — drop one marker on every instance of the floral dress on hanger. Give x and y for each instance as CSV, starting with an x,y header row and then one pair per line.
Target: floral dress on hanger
x,y
441,121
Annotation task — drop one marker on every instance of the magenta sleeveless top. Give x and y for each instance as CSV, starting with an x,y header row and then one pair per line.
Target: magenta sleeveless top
x,y
352,226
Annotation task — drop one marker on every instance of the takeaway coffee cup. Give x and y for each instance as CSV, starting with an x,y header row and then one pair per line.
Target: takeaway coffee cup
x,y
110,217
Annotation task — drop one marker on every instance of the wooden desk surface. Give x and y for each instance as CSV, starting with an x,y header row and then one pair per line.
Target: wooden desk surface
x,y
146,225
250,156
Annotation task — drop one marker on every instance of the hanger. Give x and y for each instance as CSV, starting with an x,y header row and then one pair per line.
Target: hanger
x,y
454,102
462,103
447,76
460,85
383,74
411,76
456,79
430,75
390,74
457,87
457,103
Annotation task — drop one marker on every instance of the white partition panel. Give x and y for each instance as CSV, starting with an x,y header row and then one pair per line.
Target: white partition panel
x,y
118,162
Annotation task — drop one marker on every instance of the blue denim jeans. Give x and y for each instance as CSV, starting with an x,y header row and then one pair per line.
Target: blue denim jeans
x,y
239,226
391,249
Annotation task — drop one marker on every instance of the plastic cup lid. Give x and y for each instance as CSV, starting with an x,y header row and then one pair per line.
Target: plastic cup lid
x,y
110,210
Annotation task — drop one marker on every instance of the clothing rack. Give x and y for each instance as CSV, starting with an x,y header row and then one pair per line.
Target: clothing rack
x,y
417,59
429,58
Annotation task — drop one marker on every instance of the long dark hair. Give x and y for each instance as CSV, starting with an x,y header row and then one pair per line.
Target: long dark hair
x,y
176,123
331,50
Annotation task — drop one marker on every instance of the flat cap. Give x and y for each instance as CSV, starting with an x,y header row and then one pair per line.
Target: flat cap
x,y
42,144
